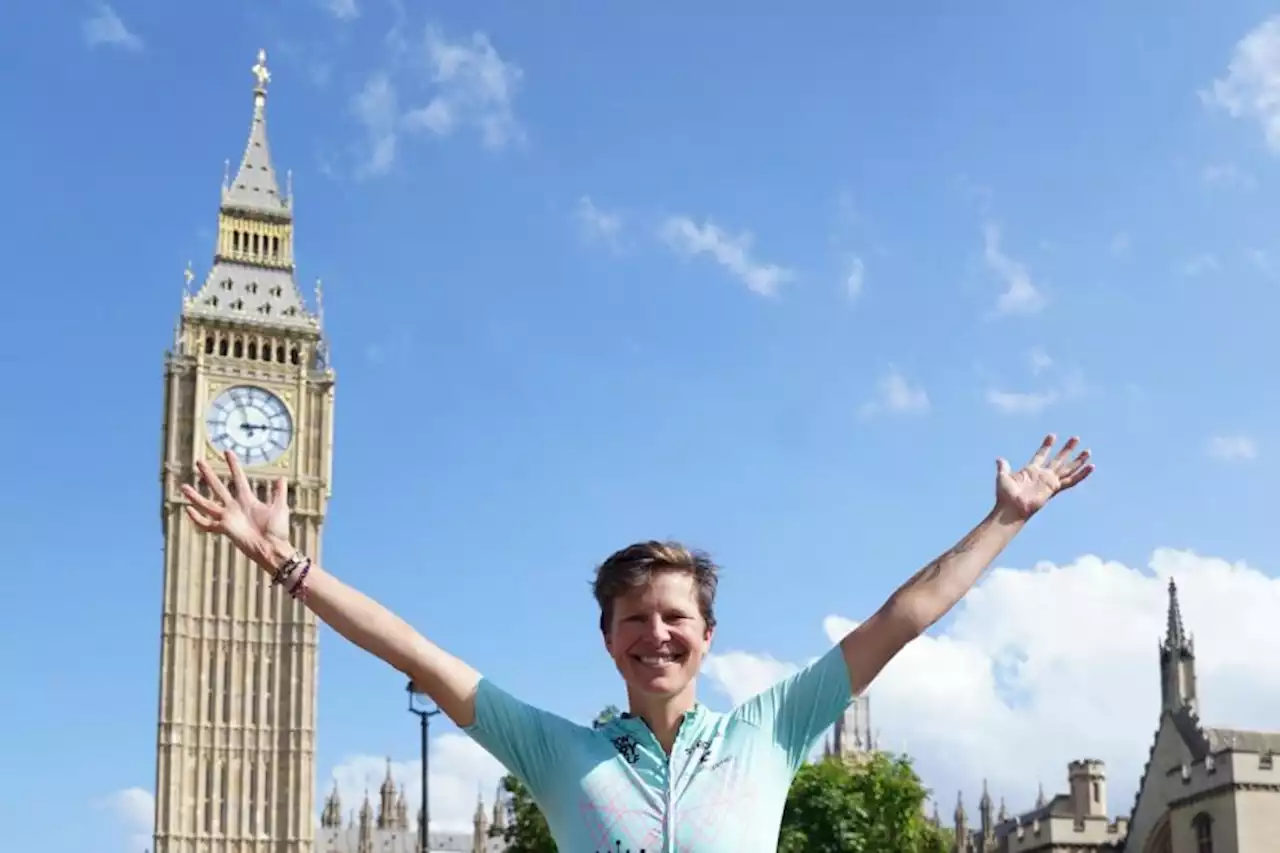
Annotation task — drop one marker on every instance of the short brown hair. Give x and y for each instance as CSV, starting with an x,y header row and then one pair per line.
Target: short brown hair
x,y
635,565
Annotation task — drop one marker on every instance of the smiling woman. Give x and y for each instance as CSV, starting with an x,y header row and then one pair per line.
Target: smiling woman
x,y
669,774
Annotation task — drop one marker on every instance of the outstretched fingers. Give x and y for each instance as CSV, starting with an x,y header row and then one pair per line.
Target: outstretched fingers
x,y
1060,462
1043,452
237,476
279,492
202,521
1076,474
214,482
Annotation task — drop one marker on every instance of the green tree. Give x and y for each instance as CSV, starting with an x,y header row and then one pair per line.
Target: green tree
x,y
873,807
526,830
609,713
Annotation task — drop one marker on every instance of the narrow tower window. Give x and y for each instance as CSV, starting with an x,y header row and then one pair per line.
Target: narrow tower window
x,y
253,350
208,345
1203,826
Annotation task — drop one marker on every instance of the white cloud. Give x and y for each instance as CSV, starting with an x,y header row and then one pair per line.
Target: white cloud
x,y
471,87
1250,89
1021,402
896,395
1201,264
134,809
375,107
742,675
1040,361
732,252
1061,386
854,278
1045,666
1021,295
474,87
1226,175
104,27
597,224
343,10
1232,448
458,768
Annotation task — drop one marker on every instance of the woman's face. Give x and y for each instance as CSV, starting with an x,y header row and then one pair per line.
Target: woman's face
x,y
657,637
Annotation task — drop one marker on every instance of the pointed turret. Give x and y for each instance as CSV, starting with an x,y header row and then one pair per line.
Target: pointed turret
x,y
387,801
255,188
499,810
1177,660
480,821
331,815
985,811
1175,636
1041,802
402,810
252,277
1003,814
962,821
364,835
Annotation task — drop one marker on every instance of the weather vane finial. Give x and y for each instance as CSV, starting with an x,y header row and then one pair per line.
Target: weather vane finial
x,y
261,72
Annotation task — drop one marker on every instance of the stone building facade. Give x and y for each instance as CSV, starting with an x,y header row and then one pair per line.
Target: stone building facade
x,y
1204,789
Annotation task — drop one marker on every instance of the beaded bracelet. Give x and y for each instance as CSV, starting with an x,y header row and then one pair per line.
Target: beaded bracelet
x,y
299,588
290,566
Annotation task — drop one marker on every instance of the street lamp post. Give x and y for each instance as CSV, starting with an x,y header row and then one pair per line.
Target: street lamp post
x,y
419,704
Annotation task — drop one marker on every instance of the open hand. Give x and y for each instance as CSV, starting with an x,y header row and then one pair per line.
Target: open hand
x,y
1025,492
250,524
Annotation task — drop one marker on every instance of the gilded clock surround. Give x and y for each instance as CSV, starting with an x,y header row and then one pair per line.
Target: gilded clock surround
x,y
212,454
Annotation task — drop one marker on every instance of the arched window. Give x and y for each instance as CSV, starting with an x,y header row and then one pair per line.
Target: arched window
x,y
1202,824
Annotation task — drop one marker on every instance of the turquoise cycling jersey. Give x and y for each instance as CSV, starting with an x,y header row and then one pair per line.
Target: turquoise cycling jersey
x,y
722,790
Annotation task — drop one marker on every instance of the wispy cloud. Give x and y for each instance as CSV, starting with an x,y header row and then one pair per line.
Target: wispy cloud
x,y
597,224
1054,386
1021,402
854,277
894,394
105,28
1250,88
1039,360
1232,448
343,10
134,809
1226,176
732,252
1021,295
474,87
375,108
1201,264
471,87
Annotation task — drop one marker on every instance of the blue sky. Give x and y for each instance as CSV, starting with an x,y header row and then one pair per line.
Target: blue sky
x,y
780,283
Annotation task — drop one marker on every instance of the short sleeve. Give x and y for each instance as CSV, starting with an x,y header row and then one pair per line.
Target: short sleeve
x,y
525,740
799,708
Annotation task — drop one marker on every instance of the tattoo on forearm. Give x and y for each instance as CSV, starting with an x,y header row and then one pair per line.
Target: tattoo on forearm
x,y
933,569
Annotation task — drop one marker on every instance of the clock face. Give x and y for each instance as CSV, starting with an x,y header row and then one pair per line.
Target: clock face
x,y
251,422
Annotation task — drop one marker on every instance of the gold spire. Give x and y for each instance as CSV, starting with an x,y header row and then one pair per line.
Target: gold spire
x,y
261,73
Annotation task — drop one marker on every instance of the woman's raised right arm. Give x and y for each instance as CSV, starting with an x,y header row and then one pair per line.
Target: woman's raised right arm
x,y
449,681
261,531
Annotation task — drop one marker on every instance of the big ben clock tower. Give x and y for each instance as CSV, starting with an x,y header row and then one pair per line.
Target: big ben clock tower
x,y
249,372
